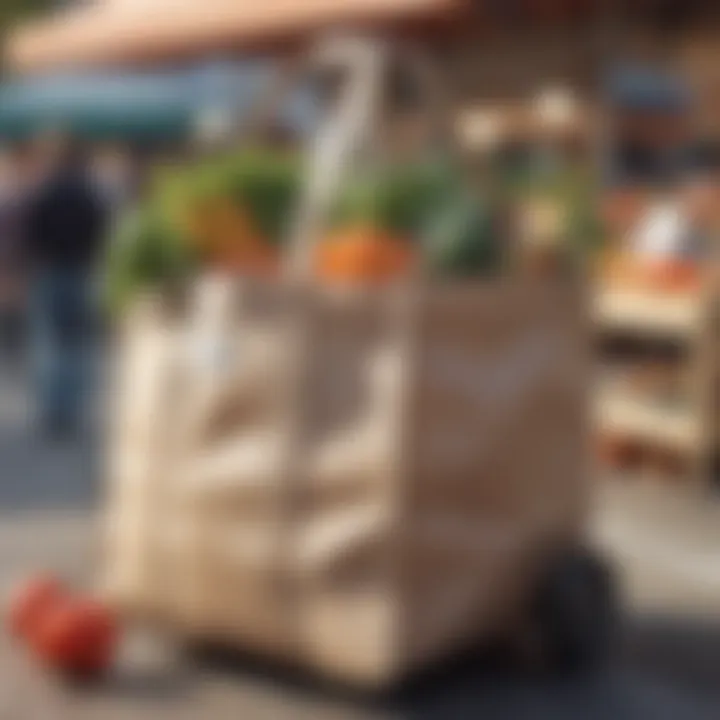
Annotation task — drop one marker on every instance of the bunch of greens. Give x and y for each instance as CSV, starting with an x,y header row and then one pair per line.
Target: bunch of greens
x,y
146,251
262,182
153,245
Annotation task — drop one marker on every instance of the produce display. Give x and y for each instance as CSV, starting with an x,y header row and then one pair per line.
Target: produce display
x,y
655,382
660,243
234,215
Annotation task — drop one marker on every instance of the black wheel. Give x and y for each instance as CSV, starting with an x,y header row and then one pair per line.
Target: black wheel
x,y
575,614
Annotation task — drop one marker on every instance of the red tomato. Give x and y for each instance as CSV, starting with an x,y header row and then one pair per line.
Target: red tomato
x,y
30,602
77,637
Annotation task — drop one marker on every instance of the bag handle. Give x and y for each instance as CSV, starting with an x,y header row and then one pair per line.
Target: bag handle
x,y
349,133
344,133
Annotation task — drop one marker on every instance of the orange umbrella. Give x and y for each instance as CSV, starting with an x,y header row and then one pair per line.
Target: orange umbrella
x,y
133,31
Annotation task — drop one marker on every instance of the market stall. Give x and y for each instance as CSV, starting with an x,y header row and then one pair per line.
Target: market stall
x,y
657,297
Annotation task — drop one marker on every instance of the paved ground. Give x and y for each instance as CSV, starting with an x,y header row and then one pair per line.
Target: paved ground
x,y
670,668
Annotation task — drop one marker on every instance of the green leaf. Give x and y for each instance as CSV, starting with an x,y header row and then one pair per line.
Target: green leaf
x,y
145,252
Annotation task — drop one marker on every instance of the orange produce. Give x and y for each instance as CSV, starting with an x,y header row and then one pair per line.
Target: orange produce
x,y
673,275
78,638
219,227
31,601
363,254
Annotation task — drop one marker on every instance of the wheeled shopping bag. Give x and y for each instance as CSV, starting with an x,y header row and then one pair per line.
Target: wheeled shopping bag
x,y
359,481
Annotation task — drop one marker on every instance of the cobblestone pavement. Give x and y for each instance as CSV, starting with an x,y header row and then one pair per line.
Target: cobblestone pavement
x,y
670,669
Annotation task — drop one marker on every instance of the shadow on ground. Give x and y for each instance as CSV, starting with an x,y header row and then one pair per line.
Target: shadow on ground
x,y
669,669
37,473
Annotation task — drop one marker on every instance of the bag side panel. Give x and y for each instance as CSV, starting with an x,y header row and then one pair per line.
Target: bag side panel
x,y
500,472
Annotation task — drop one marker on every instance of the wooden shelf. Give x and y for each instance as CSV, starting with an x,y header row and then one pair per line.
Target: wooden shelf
x,y
650,313
690,319
644,421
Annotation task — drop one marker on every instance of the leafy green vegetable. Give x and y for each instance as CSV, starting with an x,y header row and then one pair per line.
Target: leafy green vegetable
x,y
265,184
146,252
460,239
396,199
152,246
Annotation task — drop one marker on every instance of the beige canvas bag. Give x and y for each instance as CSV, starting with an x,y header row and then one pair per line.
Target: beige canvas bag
x,y
367,481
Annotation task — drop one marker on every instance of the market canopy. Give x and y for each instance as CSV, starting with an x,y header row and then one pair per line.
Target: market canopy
x,y
97,107
144,106
133,31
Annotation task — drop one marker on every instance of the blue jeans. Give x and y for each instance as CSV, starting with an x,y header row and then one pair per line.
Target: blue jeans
x,y
61,319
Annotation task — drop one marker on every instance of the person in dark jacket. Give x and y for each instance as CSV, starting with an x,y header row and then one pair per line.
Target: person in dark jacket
x,y
65,224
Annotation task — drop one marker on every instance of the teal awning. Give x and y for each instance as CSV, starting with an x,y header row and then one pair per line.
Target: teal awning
x,y
163,105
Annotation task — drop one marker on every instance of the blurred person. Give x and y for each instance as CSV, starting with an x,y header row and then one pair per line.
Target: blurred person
x,y
66,221
16,178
